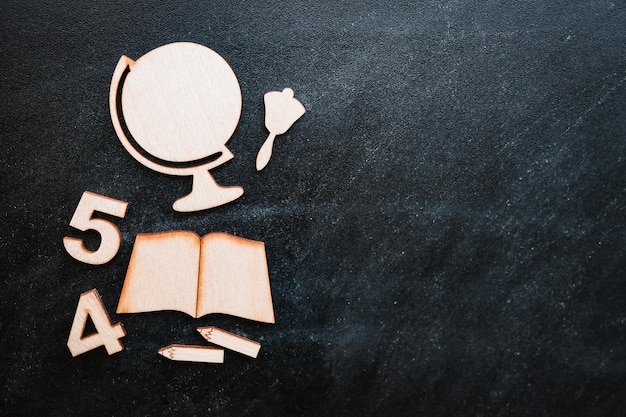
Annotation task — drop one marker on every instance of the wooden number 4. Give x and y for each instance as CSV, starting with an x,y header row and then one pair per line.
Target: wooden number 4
x,y
110,237
107,334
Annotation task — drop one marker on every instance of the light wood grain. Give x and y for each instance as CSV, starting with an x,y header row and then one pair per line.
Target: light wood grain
x,y
181,102
162,274
107,334
110,236
206,193
191,353
219,273
281,111
230,341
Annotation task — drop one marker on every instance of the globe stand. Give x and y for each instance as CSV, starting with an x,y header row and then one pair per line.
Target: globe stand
x,y
199,122
206,193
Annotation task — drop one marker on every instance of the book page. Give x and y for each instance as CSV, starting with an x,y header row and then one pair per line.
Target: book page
x,y
234,278
162,274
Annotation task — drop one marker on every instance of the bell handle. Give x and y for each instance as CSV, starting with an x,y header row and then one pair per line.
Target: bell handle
x,y
265,153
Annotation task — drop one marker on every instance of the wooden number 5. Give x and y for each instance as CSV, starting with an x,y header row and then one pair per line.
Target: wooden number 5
x,y
107,334
110,237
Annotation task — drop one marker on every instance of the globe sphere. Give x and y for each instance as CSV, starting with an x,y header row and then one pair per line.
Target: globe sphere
x,y
181,102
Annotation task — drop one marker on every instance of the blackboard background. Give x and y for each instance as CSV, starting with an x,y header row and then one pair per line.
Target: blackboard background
x,y
445,227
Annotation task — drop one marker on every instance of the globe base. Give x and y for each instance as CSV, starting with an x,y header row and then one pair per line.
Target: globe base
x,y
206,193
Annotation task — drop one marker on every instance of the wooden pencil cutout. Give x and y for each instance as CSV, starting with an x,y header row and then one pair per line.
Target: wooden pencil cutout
x,y
191,353
107,334
173,110
230,341
281,111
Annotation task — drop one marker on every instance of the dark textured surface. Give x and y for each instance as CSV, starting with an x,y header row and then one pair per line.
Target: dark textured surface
x,y
445,227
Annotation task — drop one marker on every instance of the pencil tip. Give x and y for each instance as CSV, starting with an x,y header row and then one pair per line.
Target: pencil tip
x,y
165,351
205,331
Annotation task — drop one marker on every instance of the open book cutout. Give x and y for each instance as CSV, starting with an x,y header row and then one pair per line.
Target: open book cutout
x,y
218,273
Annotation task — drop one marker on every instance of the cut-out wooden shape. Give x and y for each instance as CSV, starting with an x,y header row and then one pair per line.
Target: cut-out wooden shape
x,y
230,341
107,334
174,109
190,353
218,273
110,236
281,111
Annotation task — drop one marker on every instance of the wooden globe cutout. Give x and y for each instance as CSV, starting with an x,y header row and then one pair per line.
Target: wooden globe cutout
x,y
174,109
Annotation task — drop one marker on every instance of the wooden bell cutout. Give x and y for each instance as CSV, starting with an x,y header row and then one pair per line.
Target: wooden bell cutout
x,y
281,111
